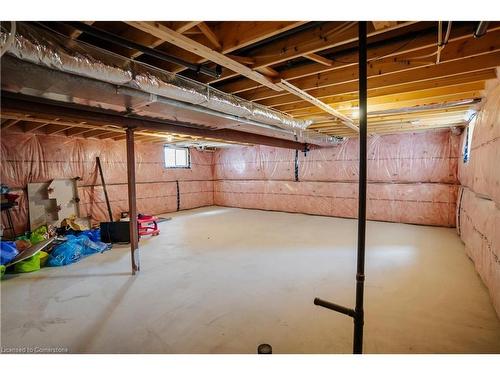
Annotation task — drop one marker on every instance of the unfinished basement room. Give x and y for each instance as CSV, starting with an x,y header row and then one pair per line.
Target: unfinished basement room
x,y
250,187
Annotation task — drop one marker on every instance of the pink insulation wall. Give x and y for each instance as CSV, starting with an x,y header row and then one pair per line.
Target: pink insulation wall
x,y
478,206
412,178
38,158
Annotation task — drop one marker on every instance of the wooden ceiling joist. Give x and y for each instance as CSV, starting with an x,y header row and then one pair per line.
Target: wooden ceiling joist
x,y
76,33
210,35
382,105
381,25
9,123
412,87
457,59
320,38
468,65
235,35
307,70
319,104
32,126
175,38
380,97
78,113
53,129
77,131
319,59
391,49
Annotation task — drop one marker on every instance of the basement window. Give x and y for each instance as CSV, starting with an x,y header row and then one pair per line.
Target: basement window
x,y
177,157
468,140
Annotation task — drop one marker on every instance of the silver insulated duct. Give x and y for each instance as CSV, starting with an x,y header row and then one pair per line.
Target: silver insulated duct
x,y
96,77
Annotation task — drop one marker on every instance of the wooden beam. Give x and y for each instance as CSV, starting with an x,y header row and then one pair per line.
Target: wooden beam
x,y
342,101
9,123
96,133
323,37
32,126
192,46
107,132
318,103
242,59
319,59
76,33
54,128
427,41
150,40
447,69
106,135
239,34
21,105
404,101
381,25
132,202
456,55
183,26
268,72
428,115
404,87
210,35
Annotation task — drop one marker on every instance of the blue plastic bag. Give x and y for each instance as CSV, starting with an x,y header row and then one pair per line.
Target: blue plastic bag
x,y
74,249
8,251
92,234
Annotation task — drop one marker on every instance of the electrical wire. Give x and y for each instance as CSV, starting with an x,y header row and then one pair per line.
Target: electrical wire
x,y
442,42
440,46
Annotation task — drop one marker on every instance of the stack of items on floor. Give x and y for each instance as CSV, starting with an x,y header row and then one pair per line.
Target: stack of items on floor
x,y
50,246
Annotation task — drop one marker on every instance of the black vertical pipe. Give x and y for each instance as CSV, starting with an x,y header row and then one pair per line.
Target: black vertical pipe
x,y
360,273
296,165
108,205
178,195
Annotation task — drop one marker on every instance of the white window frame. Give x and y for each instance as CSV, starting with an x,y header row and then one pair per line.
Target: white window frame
x,y
468,140
177,166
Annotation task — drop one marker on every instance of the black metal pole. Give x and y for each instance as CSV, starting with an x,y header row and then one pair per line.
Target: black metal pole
x,y
110,212
360,273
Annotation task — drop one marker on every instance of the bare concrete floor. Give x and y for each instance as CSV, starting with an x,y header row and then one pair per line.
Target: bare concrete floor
x,y
223,280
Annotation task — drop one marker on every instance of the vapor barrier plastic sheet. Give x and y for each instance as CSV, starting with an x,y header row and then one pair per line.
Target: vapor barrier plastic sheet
x,y
413,157
478,207
412,178
426,203
479,229
32,158
481,173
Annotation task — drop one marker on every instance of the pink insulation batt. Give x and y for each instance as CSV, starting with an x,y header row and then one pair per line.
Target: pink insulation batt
x,y
412,178
478,206
40,158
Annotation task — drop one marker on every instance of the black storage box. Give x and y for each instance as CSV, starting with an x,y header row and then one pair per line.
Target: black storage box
x,y
115,232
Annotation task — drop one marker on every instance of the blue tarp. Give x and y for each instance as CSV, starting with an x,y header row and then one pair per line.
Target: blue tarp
x,y
75,248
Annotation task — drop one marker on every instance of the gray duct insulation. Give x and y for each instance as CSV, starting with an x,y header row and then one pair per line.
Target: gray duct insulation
x,y
57,52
